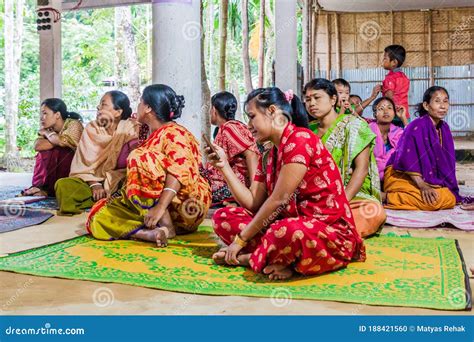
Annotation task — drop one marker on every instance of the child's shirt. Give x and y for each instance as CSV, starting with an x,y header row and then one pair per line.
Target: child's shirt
x,y
398,82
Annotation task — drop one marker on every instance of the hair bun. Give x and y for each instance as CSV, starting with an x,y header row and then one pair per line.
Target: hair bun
x,y
180,102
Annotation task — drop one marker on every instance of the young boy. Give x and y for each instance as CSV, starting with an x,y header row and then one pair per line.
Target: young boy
x,y
396,84
343,89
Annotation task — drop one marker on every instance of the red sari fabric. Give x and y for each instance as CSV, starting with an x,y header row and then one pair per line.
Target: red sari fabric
x,y
235,138
50,166
315,231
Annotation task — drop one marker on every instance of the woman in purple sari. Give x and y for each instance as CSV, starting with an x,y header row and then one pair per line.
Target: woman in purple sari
x,y
421,174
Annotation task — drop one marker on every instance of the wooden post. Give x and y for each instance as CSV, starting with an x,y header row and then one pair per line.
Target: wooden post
x,y
391,27
338,45
430,48
328,47
314,39
306,33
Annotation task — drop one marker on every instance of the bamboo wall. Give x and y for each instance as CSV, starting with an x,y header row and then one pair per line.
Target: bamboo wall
x,y
432,38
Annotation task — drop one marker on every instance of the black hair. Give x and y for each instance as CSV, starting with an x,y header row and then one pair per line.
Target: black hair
x,y
321,84
58,105
354,95
343,82
396,52
163,101
120,101
380,99
225,103
420,110
294,110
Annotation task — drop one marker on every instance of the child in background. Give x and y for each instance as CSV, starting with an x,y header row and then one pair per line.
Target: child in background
x,y
355,106
396,84
355,99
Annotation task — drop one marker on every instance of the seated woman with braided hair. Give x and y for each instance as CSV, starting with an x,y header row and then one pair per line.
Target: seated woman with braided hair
x,y
238,144
295,216
164,194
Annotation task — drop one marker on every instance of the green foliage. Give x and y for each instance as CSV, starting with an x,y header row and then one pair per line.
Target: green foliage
x,y
88,47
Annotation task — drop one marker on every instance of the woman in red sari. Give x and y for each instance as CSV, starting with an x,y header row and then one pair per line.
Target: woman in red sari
x,y
295,217
238,143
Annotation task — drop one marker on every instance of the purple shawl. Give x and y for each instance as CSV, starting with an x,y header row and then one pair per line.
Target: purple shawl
x,y
420,151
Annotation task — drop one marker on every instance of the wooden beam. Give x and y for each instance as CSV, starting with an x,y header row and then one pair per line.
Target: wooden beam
x,y
68,5
314,34
338,45
430,47
306,38
391,27
328,47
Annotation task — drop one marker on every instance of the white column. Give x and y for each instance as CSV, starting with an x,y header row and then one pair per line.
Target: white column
x,y
176,55
50,55
285,45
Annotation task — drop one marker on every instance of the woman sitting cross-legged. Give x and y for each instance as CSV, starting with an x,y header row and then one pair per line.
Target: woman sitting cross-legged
x,y
238,143
421,174
165,194
295,217
98,167
350,142
387,133
57,140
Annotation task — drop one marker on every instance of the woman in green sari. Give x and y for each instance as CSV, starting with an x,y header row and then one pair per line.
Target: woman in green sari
x,y
351,143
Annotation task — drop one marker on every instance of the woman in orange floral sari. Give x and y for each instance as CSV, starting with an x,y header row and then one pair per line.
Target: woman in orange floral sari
x,y
164,195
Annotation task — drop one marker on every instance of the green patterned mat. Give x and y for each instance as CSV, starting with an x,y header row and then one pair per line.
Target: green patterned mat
x,y
399,271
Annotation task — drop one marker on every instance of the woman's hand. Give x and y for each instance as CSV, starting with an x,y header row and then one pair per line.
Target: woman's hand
x,y
44,132
401,112
212,156
231,254
153,216
429,194
98,192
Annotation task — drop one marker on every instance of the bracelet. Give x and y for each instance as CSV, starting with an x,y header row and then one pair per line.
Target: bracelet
x,y
238,240
50,134
94,184
169,189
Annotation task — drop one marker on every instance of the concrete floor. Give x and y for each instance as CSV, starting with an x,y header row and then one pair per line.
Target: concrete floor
x,y
31,295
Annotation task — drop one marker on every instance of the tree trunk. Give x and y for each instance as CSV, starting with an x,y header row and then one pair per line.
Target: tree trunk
x,y
210,43
245,47
13,28
118,57
206,92
131,56
261,50
223,15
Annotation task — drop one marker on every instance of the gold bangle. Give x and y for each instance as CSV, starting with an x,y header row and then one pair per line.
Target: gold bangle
x,y
238,240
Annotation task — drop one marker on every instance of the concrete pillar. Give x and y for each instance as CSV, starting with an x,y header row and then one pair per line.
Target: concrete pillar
x,y
176,55
285,45
50,53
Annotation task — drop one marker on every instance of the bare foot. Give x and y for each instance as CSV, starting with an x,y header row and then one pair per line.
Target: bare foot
x,y
219,256
278,272
160,235
163,234
31,191
468,206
